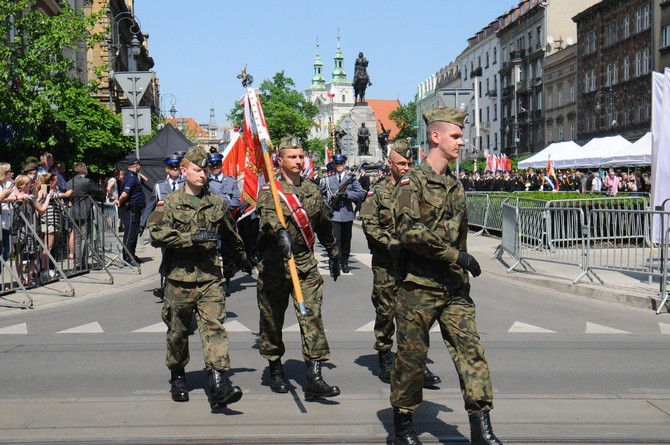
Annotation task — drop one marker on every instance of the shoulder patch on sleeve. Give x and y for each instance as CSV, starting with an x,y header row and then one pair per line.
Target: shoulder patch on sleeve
x,y
404,181
265,187
371,193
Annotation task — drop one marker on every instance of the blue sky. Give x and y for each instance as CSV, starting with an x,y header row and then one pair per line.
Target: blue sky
x,y
200,46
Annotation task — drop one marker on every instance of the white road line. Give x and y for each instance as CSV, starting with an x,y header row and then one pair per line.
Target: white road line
x,y
592,328
529,328
20,328
89,328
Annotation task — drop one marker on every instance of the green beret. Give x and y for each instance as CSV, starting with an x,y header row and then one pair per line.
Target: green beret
x,y
197,155
29,166
451,115
290,142
30,159
401,146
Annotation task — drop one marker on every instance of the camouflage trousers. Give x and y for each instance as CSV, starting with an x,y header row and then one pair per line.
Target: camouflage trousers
x,y
210,310
383,300
274,289
417,308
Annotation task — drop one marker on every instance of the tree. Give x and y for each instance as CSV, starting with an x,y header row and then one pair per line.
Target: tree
x,y
405,118
287,111
44,103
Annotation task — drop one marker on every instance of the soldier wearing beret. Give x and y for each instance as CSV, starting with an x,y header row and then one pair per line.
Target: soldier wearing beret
x,y
188,226
306,217
431,227
377,219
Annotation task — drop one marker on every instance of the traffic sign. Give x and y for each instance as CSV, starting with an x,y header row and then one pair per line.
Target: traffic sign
x,y
134,84
143,121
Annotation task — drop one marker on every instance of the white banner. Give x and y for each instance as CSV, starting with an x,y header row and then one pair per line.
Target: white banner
x,y
660,147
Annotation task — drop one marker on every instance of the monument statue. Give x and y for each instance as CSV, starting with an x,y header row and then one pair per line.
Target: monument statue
x,y
361,78
339,134
383,139
363,141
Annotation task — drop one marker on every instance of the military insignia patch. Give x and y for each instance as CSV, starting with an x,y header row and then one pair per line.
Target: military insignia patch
x,y
404,181
371,193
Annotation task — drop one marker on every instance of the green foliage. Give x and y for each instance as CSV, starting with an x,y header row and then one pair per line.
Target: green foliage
x,y
318,147
45,106
286,110
405,118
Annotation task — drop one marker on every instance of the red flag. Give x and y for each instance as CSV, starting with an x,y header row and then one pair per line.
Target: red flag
x,y
234,157
332,92
255,165
327,156
490,163
551,172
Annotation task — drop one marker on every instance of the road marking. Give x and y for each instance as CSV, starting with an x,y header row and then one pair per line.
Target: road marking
x,y
363,258
292,328
89,328
529,328
236,326
158,327
370,327
665,327
592,328
20,328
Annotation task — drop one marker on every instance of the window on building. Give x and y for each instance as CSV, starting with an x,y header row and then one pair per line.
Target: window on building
x,y
611,32
608,75
488,114
646,17
487,59
480,88
638,64
626,26
495,55
550,99
495,140
572,93
626,68
539,101
495,112
538,34
530,40
615,72
573,134
560,132
488,141
665,36
638,20
593,80
560,97
645,61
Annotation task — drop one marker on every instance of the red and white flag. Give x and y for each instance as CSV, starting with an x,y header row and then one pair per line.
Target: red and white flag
x,y
254,174
332,91
551,172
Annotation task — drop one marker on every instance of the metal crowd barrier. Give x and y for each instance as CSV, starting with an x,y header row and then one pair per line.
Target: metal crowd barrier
x,y
54,246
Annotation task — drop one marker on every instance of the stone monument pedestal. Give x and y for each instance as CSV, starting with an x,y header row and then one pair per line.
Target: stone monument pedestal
x,y
362,113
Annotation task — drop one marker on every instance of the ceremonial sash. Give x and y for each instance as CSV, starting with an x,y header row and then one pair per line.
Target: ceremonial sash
x,y
299,216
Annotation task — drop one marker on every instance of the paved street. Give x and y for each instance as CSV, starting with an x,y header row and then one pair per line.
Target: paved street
x,y
565,368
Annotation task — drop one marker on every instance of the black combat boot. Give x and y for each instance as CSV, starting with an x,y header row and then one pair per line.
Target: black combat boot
x,y
481,432
405,434
385,366
277,382
429,379
222,391
316,386
178,388
344,265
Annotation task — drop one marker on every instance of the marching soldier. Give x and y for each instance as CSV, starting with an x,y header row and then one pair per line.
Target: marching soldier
x,y
188,227
431,227
301,199
377,217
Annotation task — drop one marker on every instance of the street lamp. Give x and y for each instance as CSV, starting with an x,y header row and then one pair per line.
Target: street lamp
x,y
172,110
605,102
114,48
512,126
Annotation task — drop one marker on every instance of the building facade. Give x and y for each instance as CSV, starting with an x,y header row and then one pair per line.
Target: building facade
x,y
560,95
614,70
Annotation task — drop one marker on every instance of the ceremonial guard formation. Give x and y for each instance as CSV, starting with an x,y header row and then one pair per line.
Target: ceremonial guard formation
x,y
432,267
188,227
301,199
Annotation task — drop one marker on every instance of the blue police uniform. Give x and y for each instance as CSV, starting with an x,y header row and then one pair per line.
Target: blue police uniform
x,y
134,206
161,189
223,185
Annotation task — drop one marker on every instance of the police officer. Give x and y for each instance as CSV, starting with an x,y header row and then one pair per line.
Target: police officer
x,y
342,190
188,227
377,218
274,281
223,185
172,182
431,227
133,201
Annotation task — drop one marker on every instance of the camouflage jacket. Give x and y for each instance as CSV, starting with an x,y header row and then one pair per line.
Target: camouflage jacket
x,y
312,201
377,219
432,227
172,225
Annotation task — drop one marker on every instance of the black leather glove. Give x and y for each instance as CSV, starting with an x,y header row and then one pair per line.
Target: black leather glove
x,y
285,243
247,266
342,195
204,237
469,263
334,267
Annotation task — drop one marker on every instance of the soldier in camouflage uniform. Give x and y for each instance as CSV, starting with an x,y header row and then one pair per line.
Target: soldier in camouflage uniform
x,y
188,227
431,227
377,218
274,281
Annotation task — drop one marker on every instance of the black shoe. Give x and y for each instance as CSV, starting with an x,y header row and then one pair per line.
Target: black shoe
x,y
158,293
178,388
345,266
429,379
316,386
222,391
405,434
385,366
277,382
481,432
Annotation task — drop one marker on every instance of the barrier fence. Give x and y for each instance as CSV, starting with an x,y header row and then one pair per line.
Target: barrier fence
x,y
611,235
57,245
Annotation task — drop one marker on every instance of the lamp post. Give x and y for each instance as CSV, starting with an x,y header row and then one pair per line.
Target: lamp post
x,y
512,125
604,100
172,110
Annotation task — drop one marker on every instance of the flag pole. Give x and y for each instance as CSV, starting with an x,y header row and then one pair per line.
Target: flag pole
x,y
264,137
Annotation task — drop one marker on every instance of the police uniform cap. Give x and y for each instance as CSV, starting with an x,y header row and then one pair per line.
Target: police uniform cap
x,y
339,158
290,141
445,114
402,148
462,170
197,155
214,158
181,154
329,166
172,160
132,160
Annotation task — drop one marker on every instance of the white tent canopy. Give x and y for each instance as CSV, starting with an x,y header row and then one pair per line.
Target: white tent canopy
x,y
639,153
557,149
597,149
